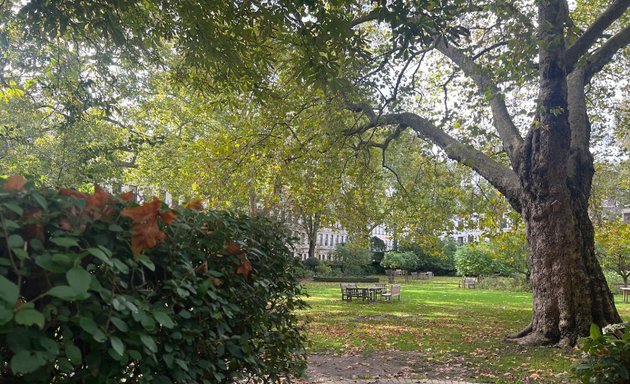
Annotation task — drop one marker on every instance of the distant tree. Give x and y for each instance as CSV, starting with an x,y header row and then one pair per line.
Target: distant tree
x,y
438,259
476,260
400,260
613,240
353,258
511,250
378,248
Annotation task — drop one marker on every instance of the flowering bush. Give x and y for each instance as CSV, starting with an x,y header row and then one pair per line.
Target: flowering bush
x,y
94,288
607,355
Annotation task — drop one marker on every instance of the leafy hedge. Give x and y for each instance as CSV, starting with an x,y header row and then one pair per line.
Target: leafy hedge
x,y
95,289
346,279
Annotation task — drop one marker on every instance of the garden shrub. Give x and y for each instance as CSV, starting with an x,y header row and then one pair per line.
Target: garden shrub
x,y
311,263
607,355
352,258
476,260
95,289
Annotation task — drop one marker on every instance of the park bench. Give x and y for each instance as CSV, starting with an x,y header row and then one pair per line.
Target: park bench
x,y
468,282
394,292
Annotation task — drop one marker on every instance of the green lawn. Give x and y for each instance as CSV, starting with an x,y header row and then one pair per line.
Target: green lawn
x,y
443,322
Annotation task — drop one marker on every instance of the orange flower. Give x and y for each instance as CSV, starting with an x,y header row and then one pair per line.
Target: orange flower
x,y
127,196
73,193
145,231
14,183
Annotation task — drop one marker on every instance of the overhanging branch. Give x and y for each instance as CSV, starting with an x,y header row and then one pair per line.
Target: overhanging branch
x,y
506,129
604,54
500,176
588,38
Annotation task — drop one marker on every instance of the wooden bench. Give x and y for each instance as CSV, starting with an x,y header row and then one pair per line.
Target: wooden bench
x,y
468,282
394,292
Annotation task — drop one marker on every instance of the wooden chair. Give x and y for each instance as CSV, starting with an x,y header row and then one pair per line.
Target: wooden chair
x,y
394,292
468,282
349,290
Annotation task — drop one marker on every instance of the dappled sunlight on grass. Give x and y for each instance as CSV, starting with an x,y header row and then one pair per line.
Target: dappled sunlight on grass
x,y
440,320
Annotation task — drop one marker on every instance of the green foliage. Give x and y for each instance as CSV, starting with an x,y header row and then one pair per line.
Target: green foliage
x,y
607,359
442,263
400,260
476,260
210,300
613,247
311,263
352,258
511,251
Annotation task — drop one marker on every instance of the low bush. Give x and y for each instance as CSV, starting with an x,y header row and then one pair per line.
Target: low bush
x,y
95,289
607,355
512,284
346,279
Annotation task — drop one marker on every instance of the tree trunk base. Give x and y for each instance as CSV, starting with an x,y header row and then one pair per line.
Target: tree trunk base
x,y
529,337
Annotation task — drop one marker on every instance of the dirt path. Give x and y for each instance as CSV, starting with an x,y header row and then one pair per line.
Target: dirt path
x,y
383,365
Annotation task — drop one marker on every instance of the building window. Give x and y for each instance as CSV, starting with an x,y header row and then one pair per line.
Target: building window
x,y
460,239
326,240
320,239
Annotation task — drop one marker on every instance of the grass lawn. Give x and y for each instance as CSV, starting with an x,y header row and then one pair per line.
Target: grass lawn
x,y
447,324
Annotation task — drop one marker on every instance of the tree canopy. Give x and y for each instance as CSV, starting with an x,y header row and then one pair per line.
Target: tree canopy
x,y
511,90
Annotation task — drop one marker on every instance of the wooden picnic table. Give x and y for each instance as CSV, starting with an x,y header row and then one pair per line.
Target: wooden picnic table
x,y
372,292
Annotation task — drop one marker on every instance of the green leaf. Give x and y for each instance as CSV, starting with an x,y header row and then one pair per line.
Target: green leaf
x,y
89,326
149,343
65,241
99,254
79,279
118,323
73,353
15,208
164,319
40,200
595,331
144,259
24,362
20,253
29,317
117,345
49,345
120,266
63,292
115,228
10,224
15,241
9,292
6,315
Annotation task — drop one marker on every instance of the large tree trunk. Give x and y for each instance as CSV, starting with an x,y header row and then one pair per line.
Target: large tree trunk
x,y
555,170
552,168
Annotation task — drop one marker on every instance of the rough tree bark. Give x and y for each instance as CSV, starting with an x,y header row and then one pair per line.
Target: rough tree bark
x,y
549,182
311,224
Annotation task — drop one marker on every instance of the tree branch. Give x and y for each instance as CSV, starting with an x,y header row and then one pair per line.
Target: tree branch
x,y
508,132
588,38
501,177
604,54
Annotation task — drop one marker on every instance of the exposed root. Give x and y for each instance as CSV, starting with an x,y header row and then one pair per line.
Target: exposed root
x,y
529,337
523,332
